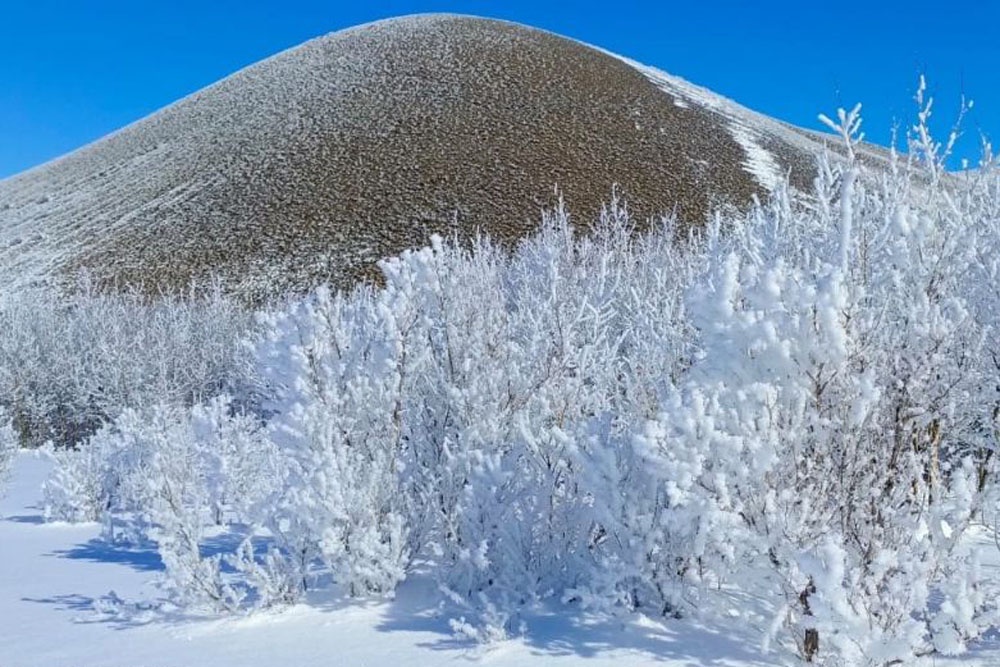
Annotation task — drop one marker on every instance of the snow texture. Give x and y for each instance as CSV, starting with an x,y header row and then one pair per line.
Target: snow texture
x,y
70,612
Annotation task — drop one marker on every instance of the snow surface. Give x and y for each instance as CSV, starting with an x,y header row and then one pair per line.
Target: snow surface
x,y
56,578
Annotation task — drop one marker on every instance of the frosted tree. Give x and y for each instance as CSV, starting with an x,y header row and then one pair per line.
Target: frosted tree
x,y
334,365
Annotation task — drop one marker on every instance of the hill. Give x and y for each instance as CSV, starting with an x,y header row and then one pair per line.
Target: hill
x,y
315,163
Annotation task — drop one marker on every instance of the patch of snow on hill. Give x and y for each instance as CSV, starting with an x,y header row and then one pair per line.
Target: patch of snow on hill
x,y
759,161
747,127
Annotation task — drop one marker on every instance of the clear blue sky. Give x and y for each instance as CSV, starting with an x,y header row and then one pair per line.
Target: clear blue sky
x,y
72,72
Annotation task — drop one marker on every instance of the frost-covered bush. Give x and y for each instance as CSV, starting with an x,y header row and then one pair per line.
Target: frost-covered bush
x,y
453,414
335,364
8,449
632,422
167,474
182,488
832,422
799,403
215,464
107,478
69,363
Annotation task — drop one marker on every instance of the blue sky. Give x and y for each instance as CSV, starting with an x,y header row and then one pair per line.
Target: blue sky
x,y
72,72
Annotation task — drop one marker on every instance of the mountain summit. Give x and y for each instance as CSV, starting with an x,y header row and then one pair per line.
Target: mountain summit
x,y
315,163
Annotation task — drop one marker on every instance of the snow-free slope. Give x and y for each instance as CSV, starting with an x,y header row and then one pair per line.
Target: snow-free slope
x,y
317,162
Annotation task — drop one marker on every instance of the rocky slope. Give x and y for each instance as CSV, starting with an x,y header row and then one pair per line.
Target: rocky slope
x,y
315,163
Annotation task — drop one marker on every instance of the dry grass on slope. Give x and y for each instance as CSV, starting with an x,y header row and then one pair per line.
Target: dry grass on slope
x,y
317,162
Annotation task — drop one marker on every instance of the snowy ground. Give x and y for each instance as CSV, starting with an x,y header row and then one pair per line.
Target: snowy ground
x,y
54,579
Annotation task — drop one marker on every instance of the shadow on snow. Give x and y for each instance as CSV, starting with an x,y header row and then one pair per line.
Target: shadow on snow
x,y
143,558
551,630
559,630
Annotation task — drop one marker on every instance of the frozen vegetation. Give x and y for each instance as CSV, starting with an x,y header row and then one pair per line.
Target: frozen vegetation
x,y
784,421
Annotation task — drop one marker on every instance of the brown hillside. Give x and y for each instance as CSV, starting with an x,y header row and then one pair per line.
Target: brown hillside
x,y
317,162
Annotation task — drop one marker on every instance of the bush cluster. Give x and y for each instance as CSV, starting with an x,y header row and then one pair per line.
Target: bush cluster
x,y
799,403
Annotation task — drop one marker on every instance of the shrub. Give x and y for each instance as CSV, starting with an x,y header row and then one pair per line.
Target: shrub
x,y
800,403
69,364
